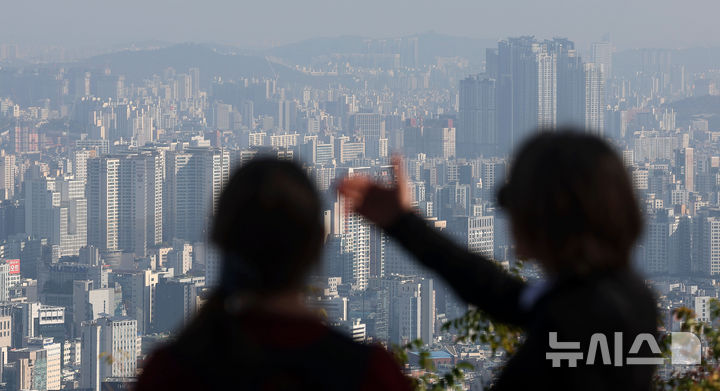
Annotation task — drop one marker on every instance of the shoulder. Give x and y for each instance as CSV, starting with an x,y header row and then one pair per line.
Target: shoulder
x,y
337,345
383,372
624,295
372,365
162,371
619,300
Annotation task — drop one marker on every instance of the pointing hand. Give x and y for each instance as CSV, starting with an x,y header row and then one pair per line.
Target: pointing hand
x,y
378,203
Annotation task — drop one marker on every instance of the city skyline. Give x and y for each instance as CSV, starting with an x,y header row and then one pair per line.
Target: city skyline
x,y
112,167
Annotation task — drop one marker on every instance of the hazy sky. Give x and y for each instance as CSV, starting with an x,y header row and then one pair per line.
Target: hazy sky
x,y
632,23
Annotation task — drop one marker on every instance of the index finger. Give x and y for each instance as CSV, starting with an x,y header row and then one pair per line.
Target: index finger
x,y
399,174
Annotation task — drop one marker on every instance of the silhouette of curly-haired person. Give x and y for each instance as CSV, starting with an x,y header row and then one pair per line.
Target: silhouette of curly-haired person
x,y
255,332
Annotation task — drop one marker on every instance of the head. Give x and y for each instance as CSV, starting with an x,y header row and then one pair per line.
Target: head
x,y
268,226
571,203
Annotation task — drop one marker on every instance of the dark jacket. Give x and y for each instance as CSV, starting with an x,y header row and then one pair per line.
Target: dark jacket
x,y
573,306
258,350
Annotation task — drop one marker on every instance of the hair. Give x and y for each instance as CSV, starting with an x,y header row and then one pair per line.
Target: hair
x,y
268,226
571,203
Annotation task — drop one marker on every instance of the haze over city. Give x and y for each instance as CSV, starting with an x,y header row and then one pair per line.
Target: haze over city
x,y
631,24
425,194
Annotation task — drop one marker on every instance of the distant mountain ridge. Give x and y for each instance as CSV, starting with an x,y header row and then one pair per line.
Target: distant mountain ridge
x,y
139,64
430,46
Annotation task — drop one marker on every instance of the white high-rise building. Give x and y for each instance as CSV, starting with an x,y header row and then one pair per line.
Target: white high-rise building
x,y
355,240
52,360
56,209
109,349
547,89
103,191
7,176
195,178
71,216
37,365
688,168
475,232
703,312
79,163
354,233
140,202
286,140
594,98
706,260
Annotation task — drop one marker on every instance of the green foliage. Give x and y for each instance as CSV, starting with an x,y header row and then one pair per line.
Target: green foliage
x,y
705,376
473,327
476,327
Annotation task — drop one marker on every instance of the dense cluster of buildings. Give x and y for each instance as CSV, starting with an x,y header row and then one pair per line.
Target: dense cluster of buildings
x,y
108,185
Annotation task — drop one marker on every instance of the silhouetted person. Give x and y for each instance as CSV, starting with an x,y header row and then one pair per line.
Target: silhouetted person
x,y
572,208
256,333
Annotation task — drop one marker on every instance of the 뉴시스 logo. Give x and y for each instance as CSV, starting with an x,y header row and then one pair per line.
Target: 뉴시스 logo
x,y
685,349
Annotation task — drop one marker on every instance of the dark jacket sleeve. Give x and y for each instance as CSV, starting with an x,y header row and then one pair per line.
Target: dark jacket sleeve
x,y
477,280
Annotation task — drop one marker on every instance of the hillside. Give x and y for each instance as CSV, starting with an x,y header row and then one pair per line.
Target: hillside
x,y
139,64
430,46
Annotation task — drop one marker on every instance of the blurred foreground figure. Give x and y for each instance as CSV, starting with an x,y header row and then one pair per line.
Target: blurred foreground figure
x,y
572,209
255,333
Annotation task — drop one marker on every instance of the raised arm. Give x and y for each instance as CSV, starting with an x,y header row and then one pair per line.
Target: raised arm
x,y
477,280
